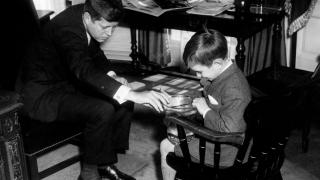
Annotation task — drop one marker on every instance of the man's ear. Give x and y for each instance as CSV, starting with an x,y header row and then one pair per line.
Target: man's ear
x,y
86,17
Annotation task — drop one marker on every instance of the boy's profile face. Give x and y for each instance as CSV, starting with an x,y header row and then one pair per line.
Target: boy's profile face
x,y
204,71
100,29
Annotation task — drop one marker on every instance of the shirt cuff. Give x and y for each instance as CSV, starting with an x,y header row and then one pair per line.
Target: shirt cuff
x,y
121,93
112,74
205,112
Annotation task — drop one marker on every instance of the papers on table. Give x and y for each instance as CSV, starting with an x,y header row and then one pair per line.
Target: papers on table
x,y
170,84
170,90
210,8
136,85
175,81
155,7
155,78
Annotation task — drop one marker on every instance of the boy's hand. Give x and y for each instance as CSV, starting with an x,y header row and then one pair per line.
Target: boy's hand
x,y
201,105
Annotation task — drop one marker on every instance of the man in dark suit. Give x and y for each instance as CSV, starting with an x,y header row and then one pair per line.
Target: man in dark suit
x,y
66,77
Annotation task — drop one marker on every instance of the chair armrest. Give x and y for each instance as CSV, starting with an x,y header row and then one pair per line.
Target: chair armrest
x,y
235,138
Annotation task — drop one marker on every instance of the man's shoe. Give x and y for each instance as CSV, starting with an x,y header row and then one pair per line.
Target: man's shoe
x,y
111,172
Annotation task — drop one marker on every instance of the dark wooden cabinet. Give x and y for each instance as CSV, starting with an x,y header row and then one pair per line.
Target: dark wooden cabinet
x,y
12,159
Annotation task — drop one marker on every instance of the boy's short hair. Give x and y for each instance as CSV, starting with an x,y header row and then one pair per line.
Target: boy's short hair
x,y
204,47
110,10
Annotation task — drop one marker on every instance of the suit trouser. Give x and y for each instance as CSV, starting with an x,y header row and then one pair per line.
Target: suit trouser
x,y
106,125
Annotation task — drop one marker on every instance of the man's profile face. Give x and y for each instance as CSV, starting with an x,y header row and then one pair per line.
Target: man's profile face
x,y
100,29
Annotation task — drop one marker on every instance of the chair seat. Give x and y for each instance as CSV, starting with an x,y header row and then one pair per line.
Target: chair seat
x,y
179,164
40,136
273,83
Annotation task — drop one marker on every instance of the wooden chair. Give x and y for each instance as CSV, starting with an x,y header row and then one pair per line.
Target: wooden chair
x,y
303,91
297,86
266,154
38,138
41,138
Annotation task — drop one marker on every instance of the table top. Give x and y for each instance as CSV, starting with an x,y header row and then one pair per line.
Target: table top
x,y
230,23
170,83
174,85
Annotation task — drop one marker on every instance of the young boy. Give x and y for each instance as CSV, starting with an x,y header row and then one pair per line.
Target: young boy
x,y
226,95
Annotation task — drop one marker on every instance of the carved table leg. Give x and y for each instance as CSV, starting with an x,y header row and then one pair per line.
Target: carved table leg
x,y
134,52
276,49
240,57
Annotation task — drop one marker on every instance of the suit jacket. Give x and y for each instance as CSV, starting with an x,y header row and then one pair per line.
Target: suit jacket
x,y
61,62
232,94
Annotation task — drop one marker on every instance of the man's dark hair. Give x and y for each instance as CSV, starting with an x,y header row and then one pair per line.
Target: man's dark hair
x,y
204,47
110,10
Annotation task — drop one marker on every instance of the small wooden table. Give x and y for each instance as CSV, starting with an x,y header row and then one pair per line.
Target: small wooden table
x,y
239,25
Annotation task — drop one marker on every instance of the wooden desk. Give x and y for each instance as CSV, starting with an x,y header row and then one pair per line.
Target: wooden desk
x,y
241,26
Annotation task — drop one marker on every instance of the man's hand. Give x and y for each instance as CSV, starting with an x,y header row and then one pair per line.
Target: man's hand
x,y
118,78
152,98
201,105
121,80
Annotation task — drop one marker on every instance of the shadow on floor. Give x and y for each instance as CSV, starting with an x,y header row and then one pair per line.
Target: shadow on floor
x,y
309,161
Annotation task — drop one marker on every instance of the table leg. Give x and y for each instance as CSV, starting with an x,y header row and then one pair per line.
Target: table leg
x,y
293,49
276,49
240,57
134,47
305,134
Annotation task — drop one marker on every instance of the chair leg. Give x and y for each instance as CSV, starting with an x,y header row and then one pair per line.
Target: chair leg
x,y
33,167
178,176
278,176
305,135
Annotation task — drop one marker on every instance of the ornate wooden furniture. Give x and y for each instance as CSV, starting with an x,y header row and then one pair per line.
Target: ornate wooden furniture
x,y
239,25
12,160
41,138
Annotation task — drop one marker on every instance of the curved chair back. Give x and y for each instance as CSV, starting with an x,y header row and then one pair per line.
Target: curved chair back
x,y
263,143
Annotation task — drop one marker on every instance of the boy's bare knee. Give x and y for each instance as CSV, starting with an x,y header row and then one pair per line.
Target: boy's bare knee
x,y
166,146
